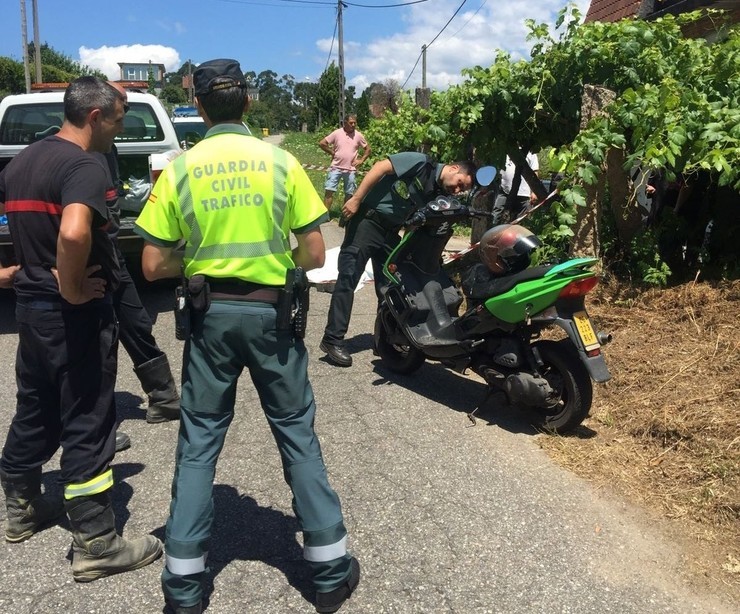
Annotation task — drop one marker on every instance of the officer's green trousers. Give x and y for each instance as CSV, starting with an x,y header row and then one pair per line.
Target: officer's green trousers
x,y
229,337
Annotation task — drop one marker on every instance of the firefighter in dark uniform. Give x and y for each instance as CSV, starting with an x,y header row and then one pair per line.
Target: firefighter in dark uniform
x,y
54,197
151,365
235,200
390,191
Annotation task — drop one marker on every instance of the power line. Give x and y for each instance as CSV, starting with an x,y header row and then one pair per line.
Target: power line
x,y
425,47
468,21
305,2
333,36
384,6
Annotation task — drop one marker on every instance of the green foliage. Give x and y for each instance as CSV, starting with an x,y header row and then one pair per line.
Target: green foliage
x,y
55,68
327,98
174,94
305,147
676,107
12,80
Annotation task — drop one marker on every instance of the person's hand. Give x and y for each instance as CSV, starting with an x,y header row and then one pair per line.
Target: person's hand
x,y
350,207
90,288
7,275
533,198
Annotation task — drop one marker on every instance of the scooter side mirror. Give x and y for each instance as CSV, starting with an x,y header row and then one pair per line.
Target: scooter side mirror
x,y
485,176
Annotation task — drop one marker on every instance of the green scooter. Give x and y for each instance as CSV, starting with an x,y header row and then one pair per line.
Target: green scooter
x,y
508,305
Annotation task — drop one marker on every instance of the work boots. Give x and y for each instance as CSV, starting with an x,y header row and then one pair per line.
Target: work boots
x,y
156,380
28,510
97,550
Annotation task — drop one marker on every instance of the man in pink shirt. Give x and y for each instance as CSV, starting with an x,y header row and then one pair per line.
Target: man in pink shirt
x,y
342,145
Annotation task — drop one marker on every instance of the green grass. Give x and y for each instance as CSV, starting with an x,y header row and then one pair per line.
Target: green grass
x,y
305,147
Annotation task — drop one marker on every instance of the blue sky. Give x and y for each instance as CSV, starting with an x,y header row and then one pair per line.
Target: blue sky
x,y
294,37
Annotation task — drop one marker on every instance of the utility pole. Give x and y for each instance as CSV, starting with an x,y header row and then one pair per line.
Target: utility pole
x,y
190,82
36,41
423,94
424,66
340,53
24,36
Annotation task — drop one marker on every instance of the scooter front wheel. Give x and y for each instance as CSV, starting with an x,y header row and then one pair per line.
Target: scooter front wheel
x,y
402,358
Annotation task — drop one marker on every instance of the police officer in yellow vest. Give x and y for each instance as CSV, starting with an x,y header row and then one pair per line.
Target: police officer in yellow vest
x,y
235,200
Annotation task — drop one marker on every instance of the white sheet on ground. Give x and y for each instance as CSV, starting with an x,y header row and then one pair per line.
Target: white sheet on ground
x,y
329,272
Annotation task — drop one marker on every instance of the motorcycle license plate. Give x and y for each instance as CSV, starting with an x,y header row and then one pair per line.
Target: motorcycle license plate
x,y
585,330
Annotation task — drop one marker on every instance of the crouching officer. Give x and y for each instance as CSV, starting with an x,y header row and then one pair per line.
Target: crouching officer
x,y
235,200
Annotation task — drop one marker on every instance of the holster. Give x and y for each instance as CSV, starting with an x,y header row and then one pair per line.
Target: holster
x,y
292,311
191,296
199,291
182,312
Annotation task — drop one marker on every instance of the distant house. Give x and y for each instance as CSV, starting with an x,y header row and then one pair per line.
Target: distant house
x,y
614,10
140,72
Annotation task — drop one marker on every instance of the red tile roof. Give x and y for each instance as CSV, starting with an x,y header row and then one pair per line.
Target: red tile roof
x,y
612,10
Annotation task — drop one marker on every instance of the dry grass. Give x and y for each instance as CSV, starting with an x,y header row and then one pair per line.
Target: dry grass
x,y
667,426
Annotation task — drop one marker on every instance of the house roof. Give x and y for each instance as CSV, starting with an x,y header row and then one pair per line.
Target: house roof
x,y
612,10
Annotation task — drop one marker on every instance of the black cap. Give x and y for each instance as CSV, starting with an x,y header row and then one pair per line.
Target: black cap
x,y
217,75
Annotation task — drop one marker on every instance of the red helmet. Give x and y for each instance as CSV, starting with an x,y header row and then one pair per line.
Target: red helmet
x,y
506,248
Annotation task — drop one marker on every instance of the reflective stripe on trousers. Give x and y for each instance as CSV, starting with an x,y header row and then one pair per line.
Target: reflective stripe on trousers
x,y
98,484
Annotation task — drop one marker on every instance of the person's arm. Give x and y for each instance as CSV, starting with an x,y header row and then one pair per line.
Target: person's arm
x,y
73,251
374,175
324,144
7,275
311,251
532,196
365,155
160,262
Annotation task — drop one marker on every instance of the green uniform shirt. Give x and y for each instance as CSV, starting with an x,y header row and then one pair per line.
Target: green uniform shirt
x,y
234,200
414,182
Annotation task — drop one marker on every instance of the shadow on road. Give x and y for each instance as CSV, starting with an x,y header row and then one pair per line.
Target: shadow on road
x,y
244,530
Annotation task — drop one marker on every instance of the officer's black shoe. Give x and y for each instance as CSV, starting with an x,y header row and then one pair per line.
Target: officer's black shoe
x,y
336,354
184,609
333,600
191,609
123,441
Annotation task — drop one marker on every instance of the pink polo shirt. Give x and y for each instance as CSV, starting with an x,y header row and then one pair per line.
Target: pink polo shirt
x,y
345,148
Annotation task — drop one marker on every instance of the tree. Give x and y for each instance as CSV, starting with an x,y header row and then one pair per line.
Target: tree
x,y
327,97
173,94
362,109
12,80
151,81
385,95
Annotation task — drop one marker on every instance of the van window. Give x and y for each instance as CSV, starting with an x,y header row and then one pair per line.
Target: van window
x,y
26,124
140,124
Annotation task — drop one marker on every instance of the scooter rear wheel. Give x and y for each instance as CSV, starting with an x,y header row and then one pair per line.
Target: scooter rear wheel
x,y
402,358
571,384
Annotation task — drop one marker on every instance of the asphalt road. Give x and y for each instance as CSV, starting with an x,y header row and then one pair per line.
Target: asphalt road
x,y
444,516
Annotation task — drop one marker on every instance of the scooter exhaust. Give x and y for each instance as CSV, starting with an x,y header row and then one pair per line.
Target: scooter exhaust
x,y
603,337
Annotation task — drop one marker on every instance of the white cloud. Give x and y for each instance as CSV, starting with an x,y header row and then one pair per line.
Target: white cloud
x,y
106,59
473,37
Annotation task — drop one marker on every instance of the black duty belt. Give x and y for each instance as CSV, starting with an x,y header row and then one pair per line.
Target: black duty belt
x,y
232,289
381,220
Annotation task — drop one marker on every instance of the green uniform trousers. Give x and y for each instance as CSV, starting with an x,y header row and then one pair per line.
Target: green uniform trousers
x,y
229,337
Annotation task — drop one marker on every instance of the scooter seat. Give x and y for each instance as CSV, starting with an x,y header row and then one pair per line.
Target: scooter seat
x,y
480,283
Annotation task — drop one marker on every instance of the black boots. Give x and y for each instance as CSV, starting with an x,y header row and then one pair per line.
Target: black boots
x,y
156,380
28,511
97,550
333,600
337,354
123,441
